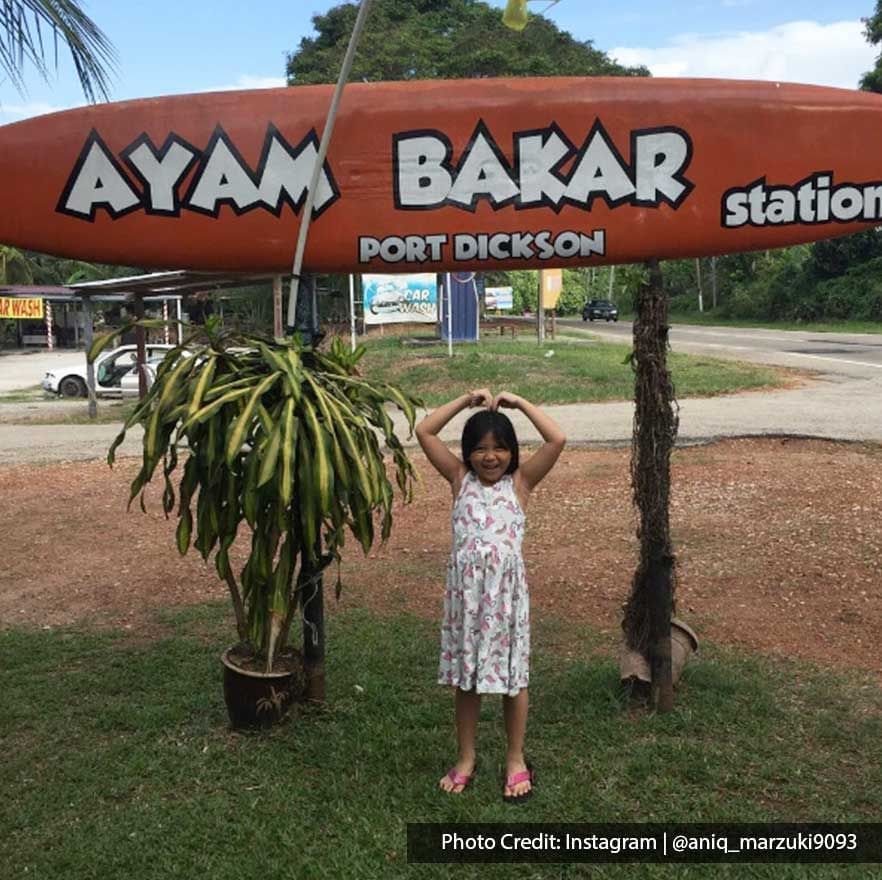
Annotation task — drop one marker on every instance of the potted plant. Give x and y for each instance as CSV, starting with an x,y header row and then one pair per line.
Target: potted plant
x,y
282,440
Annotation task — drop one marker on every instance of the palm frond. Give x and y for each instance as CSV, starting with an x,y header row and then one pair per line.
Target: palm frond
x,y
21,42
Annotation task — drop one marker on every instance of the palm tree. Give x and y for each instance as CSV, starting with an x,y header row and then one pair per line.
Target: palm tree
x,y
22,26
15,268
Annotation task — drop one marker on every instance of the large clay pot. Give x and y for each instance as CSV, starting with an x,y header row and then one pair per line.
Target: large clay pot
x,y
260,699
634,667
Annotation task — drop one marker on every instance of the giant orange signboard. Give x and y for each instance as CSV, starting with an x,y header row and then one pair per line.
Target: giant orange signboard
x,y
525,173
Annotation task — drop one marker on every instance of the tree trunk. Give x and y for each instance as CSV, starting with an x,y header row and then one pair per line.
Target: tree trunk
x,y
647,613
311,593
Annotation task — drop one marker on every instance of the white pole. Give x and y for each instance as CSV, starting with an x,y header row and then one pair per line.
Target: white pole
x,y
612,274
320,158
165,318
180,319
477,310
352,308
540,310
449,317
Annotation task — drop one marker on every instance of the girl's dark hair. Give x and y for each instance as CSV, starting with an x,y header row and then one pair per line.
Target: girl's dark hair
x,y
488,421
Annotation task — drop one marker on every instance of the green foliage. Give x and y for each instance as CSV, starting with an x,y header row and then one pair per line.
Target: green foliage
x,y
834,280
121,763
283,440
871,81
29,27
578,371
443,39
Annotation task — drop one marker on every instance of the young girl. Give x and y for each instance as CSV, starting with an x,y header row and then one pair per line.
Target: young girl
x,y
485,636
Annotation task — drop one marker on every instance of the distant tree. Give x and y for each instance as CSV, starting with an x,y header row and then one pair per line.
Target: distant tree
x,y
444,39
871,81
15,267
29,28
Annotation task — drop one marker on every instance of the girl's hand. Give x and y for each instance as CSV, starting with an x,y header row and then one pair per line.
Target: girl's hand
x,y
481,397
507,399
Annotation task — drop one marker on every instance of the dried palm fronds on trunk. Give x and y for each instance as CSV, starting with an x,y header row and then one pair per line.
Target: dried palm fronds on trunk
x,y
647,612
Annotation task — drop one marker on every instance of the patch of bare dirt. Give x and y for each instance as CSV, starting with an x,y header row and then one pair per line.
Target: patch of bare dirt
x,y
779,545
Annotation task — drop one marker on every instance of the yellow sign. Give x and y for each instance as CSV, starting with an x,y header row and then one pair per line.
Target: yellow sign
x,y
552,284
21,308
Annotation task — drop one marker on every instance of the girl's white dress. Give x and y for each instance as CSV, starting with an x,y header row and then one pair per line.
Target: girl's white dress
x,y
485,634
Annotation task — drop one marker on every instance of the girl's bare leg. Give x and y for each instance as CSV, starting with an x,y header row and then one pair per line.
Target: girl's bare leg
x,y
515,712
468,708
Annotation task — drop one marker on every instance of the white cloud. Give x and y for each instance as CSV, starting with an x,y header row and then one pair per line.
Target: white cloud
x,y
248,81
14,112
800,51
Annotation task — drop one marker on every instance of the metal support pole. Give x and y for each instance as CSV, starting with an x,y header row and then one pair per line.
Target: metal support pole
x,y
165,334
449,286
352,309
180,320
277,306
303,232
540,310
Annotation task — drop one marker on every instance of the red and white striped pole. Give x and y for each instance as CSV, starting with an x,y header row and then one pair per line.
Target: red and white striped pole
x,y
49,325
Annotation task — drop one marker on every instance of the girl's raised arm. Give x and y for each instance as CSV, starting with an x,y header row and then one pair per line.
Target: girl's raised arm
x,y
444,461
543,459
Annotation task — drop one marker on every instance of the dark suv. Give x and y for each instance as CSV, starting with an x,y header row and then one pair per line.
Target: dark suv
x,y
600,308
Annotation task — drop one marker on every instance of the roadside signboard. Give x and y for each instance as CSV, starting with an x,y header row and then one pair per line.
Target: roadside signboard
x,y
498,298
400,299
21,308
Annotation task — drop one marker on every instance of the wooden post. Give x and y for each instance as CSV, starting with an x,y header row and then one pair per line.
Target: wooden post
x,y
90,367
140,340
714,280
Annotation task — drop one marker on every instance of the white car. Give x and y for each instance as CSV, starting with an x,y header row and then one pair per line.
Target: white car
x,y
70,380
129,385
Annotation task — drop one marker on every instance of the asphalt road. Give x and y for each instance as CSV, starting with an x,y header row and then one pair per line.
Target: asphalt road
x,y
846,354
843,399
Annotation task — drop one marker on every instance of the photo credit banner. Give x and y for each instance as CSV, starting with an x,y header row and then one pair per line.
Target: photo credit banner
x,y
21,308
436,176
400,299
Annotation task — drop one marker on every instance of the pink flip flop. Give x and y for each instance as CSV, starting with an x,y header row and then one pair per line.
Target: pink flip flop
x,y
463,779
528,775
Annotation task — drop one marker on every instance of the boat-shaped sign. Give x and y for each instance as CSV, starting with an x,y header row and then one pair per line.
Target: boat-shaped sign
x,y
440,175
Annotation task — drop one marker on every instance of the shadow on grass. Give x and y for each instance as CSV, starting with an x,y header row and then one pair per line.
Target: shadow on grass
x,y
118,759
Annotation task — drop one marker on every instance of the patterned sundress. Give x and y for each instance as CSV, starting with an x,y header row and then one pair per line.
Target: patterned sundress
x,y
485,634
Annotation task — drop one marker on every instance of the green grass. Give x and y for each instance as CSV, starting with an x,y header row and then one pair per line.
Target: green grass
x,y
577,372
76,412
810,327
118,761
23,395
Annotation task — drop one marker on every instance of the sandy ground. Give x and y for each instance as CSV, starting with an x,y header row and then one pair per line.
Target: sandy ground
x,y
779,545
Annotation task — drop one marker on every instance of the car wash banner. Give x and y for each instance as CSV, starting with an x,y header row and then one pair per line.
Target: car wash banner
x,y
400,299
21,308
498,298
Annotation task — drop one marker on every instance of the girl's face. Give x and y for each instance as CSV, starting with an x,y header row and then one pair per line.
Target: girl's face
x,y
489,459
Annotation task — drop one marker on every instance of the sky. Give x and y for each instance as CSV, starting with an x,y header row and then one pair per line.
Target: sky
x,y
180,46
